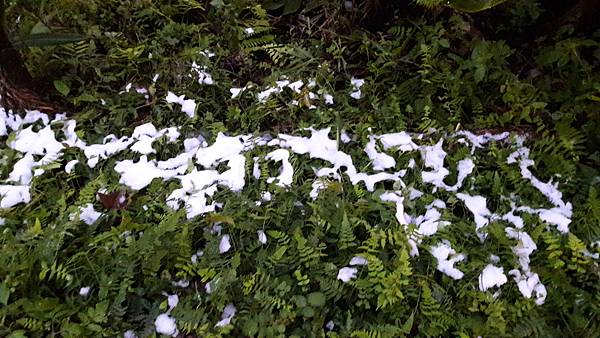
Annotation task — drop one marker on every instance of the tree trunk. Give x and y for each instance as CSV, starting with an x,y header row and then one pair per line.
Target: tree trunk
x,y
16,84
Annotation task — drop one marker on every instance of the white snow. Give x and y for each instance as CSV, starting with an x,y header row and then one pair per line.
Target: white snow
x,y
22,170
110,146
559,215
447,257
88,215
147,133
346,274
434,156
256,168
428,224
380,161
183,283
528,282
37,143
514,219
197,186
188,106
204,78
195,256
11,195
172,301
344,137
317,186
235,92
139,175
262,237
130,334
266,196
70,165
524,248
166,325
208,287
228,313
402,140
414,193
207,53
358,260
223,148
465,168
224,245
491,276
356,84
399,200
529,285
478,141
41,141
477,206
285,177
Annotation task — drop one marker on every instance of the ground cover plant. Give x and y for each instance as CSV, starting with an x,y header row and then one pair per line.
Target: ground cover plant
x,y
301,168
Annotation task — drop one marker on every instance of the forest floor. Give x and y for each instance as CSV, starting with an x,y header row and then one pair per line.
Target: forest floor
x,y
260,169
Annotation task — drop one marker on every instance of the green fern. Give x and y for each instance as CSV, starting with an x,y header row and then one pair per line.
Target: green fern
x,y
55,271
437,320
347,238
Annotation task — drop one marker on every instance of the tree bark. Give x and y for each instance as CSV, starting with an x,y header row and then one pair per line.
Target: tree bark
x,y
16,85
11,63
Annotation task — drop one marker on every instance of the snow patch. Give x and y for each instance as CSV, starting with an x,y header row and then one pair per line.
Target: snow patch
x,y
188,106
491,276
227,315
447,257
224,245
346,274
477,206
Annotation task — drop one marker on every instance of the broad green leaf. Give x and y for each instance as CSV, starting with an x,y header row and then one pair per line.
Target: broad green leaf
x,y
39,28
4,293
277,255
308,311
291,6
316,299
272,5
472,6
217,3
407,326
480,72
49,39
300,301
216,219
250,327
86,97
17,334
36,229
62,87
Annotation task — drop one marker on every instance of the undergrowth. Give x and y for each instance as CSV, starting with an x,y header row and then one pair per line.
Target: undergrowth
x,y
427,69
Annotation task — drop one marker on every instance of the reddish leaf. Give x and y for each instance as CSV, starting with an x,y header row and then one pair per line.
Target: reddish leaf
x,y
116,200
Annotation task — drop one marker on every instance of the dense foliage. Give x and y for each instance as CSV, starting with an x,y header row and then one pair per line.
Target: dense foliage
x,y
427,68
